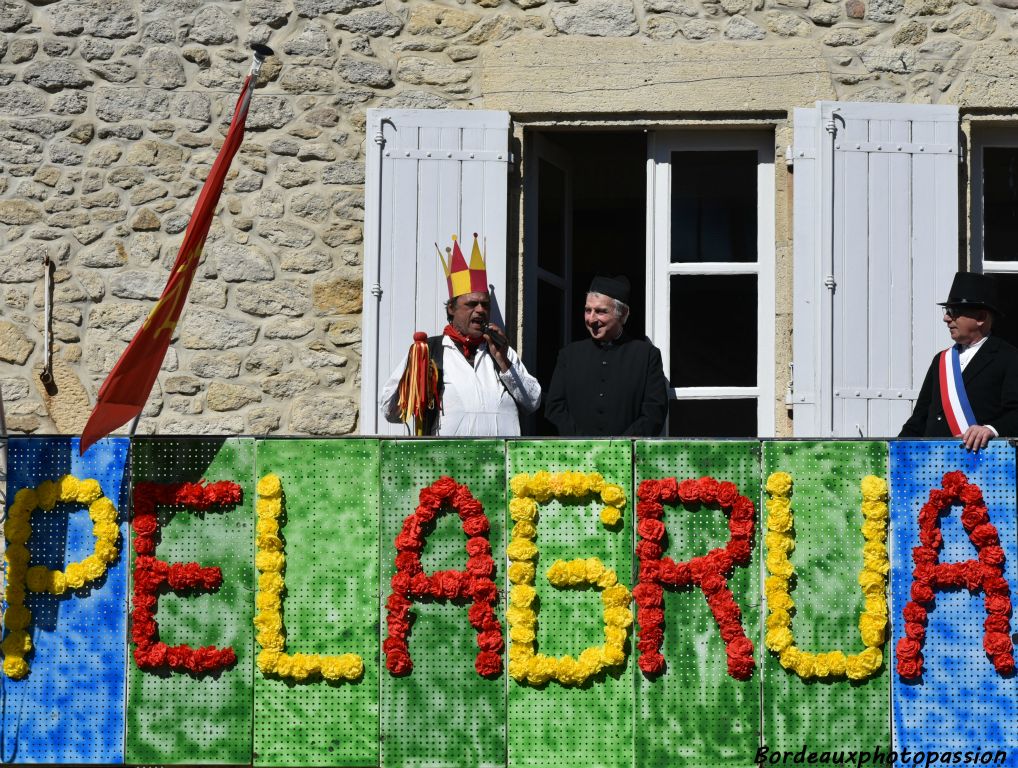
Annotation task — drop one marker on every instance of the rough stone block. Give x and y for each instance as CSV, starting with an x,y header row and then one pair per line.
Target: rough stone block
x,y
15,347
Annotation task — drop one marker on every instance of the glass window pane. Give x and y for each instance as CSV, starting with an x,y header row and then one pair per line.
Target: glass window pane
x,y
1000,203
1006,326
714,206
712,418
551,201
713,331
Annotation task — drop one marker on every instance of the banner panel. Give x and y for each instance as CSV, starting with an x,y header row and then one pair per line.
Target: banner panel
x,y
442,712
695,713
69,708
960,703
827,713
180,717
329,529
589,724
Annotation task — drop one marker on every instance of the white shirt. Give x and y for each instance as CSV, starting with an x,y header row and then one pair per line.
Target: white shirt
x,y
478,400
965,355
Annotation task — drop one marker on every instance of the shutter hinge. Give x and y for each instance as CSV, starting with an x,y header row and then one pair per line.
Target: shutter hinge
x,y
376,291
789,159
829,283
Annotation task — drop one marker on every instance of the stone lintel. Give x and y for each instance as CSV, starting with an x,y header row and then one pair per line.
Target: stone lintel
x,y
570,75
990,81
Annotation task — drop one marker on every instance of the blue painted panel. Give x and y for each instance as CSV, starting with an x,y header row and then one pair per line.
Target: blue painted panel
x,y
71,706
961,703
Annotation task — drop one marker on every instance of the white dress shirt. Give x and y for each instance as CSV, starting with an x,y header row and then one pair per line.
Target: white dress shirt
x,y
478,400
965,355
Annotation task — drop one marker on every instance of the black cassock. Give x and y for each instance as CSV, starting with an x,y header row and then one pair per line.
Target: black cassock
x,y
617,388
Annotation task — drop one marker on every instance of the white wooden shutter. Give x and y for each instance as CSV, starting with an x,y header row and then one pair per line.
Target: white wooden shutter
x,y
430,174
875,246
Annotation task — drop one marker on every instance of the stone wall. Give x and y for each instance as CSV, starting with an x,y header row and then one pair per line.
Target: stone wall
x,y
111,112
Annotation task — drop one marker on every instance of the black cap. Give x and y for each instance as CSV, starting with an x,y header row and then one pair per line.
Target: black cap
x,y
971,289
615,287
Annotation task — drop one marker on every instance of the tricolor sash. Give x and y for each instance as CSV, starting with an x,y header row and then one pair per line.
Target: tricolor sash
x,y
952,393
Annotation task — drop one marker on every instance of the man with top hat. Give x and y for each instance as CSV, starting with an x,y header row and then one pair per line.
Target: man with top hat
x,y
971,388
468,381
610,383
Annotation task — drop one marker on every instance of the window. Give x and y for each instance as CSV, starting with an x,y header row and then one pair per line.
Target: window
x,y
711,267
995,218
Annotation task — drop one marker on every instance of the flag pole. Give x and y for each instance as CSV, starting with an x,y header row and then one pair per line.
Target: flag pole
x,y
123,395
260,52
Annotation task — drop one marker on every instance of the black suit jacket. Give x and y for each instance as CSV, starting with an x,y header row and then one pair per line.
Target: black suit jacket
x,y
991,383
613,389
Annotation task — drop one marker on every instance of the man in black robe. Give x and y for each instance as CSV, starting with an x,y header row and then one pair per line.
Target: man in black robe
x,y
989,370
611,383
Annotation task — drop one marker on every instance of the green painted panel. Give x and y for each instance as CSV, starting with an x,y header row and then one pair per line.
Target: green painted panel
x,y
826,501
177,718
694,714
443,713
330,607
589,725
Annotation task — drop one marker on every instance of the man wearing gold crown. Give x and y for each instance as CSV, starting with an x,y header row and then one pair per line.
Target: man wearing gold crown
x,y
468,381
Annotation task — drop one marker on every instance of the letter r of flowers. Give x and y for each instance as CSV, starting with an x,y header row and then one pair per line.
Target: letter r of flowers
x,y
708,572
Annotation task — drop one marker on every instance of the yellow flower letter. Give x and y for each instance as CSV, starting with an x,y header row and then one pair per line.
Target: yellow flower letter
x,y
525,664
17,528
872,579
271,563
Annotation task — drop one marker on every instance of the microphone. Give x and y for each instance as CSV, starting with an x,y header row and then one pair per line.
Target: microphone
x,y
497,338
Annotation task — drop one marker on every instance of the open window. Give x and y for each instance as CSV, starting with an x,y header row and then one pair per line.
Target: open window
x,y
711,268
994,206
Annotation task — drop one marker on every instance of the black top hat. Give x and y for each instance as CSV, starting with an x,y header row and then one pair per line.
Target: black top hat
x,y
614,287
971,289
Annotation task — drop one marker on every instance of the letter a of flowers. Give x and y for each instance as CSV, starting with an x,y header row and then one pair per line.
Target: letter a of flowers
x,y
152,574
270,561
872,580
410,582
930,575
39,578
525,664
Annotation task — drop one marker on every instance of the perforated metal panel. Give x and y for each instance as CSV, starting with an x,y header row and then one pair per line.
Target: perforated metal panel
x,y
443,713
180,718
695,714
960,703
826,501
589,725
70,708
330,532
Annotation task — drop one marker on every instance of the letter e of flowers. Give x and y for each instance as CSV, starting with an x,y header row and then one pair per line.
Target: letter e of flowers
x,y
152,574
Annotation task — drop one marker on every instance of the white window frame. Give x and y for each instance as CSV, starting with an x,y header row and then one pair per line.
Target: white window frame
x,y
660,268
983,137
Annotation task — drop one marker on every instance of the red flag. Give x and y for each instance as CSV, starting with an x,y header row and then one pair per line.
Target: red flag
x,y
123,394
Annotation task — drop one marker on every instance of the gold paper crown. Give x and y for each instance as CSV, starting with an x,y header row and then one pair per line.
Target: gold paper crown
x,y
460,277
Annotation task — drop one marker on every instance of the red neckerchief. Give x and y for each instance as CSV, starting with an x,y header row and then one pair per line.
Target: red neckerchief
x,y
466,344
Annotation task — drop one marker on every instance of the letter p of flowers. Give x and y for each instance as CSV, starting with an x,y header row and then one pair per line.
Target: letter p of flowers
x,y
410,582
17,528
152,574
525,664
708,572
